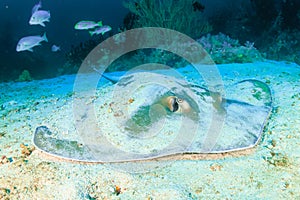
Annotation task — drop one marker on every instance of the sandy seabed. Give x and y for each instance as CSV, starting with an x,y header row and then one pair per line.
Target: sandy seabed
x,y
268,171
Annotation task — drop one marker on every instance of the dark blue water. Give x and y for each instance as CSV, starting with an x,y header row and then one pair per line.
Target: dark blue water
x,y
14,17
14,20
273,27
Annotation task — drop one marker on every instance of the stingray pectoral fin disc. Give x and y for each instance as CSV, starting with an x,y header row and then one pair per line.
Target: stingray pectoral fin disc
x,y
246,113
245,116
47,142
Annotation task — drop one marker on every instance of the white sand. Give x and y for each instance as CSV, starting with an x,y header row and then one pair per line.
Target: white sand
x,y
269,171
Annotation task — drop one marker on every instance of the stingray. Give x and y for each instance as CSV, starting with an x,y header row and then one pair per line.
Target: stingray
x,y
156,121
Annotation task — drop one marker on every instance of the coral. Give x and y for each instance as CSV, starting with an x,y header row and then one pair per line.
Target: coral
x,y
77,54
290,10
24,76
129,21
265,12
142,56
283,46
273,24
223,49
165,14
279,40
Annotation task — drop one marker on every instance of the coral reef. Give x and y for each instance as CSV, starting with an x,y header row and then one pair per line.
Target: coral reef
x,y
268,18
24,76
223,49
265,12
129,21
274,25
165,14
284,46
77,54
143,56
279,39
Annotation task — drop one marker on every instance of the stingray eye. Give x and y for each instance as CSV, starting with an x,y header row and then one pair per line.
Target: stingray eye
x,y
175,106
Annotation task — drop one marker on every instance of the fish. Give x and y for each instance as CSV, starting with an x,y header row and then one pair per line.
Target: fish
x,y
27,43
55,48
85,25
36,7
157,109
39,17
100,30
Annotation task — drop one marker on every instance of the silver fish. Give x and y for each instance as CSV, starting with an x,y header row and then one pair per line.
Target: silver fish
x,y
55,48
27,43
100,30
36,7
39,17
84,25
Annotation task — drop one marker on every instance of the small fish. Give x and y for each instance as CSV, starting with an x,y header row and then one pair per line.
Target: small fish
x,y
36,7
100,30
39,17
55,48
27,43
84,25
